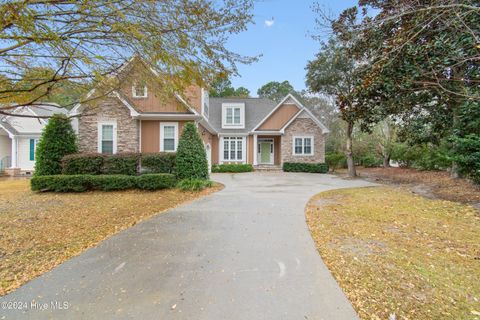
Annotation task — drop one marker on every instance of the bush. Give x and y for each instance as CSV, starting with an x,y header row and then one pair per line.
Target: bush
x,y
194,184
156,181
163,162
122,163
336,160
62,183
232,168
468,156
58,139
113,182
370,160
305,167
83,163
191,157
81,183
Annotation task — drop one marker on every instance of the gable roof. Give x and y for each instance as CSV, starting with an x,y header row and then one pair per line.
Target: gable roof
x,y
255,110
290,99
16,125
78,108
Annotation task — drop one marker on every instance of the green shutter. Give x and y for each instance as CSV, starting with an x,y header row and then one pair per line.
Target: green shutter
x,y
32,149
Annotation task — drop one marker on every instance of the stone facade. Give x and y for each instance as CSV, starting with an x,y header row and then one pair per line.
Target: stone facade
x,y
303,127
110,109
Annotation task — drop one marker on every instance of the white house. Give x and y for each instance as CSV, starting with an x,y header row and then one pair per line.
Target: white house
x,y
19,135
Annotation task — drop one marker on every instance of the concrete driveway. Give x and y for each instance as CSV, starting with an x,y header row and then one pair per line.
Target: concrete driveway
x,y
242,253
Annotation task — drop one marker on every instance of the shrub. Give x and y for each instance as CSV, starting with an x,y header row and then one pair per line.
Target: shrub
x,y
468,156
156,181
85,182
335,160
58,139
191,157
113,182
305,167
370,160
194,184
121,163
232,168
61,183
82,163
163,162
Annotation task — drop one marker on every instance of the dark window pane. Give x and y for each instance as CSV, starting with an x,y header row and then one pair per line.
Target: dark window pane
x,y
107,147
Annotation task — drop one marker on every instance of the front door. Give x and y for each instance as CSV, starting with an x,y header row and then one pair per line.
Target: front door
x,y
266,154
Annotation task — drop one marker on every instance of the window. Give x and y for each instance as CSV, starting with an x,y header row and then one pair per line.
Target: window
x,y
33,148
233,148
233,115
139,90
303,146
107,137
168,136
206,103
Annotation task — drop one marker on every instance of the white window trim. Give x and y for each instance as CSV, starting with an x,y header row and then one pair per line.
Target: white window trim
x,y
205,102
134,92
169,124
303,146
99,135
222,149
226,106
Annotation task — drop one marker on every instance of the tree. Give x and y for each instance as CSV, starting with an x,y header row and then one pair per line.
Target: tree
x,y
58,139
275,91
333,73
222,87
191,159
85,41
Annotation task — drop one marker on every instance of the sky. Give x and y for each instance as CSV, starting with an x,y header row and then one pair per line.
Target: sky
x,y
282,35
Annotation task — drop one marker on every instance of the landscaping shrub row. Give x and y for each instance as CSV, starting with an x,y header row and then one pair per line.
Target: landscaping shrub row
x,y
305,167
121,163
85,182
232,168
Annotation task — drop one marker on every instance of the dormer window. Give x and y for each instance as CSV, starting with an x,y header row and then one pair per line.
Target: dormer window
x,y
139,90
233,115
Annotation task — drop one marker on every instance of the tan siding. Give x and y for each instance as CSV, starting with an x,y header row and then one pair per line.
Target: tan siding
x,y
193,95
250,149
156,100
280,117
215,149
150,136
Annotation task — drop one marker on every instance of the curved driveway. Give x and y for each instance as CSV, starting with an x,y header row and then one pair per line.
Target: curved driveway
x,y
242,253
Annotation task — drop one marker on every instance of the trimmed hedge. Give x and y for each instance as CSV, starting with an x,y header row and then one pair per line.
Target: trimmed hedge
x,y
233,168
81,183
163,162
305,167
121,163
155,181
83,163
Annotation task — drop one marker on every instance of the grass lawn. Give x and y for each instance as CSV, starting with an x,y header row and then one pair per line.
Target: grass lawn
x,y
41,230
394,252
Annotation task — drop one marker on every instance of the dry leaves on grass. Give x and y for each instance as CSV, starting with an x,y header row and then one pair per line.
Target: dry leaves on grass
x,y
437,184
397,253
40,230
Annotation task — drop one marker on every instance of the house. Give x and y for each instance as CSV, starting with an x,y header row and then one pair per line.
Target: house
x,y
19,135
138,118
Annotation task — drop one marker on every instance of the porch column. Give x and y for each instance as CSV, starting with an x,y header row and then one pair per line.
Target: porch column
x,y
255,151
14,160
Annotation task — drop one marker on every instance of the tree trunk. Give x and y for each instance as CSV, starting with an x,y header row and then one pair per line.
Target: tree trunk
x,y
386,160
349,152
